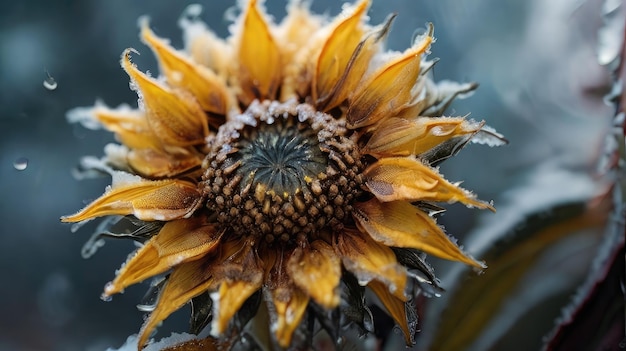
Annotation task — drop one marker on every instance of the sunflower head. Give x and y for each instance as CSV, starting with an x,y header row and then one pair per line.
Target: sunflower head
x,y
286,168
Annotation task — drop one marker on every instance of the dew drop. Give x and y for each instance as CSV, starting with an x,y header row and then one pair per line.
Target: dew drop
x,y
20,164
49,83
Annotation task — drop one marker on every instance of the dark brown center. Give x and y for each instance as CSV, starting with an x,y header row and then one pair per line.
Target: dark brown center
x,y
281,171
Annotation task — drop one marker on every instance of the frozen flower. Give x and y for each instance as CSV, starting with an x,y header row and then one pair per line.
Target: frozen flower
x,y
291,164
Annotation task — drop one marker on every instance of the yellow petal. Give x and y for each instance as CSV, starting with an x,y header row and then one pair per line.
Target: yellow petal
x,y
231,296
181,72
396,308
400,224
337,51
316,270
131,126
178,242
176,118
288,302
187,281
289,312
161,200
369,260
406,178
259,57
389,90
239,270
355,69
413,136
154,163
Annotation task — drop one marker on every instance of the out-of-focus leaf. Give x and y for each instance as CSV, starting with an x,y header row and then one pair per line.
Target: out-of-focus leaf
x,y
478,305
595,320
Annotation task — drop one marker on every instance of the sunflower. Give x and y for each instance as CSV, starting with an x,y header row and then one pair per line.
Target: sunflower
x,y
288,167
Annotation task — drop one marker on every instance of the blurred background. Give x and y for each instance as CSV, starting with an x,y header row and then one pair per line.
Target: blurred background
x,y
542,85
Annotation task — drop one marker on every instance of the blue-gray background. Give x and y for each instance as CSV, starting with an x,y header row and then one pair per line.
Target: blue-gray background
x,y
540,85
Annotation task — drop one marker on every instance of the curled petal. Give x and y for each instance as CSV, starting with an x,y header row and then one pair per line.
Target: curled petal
x,y
187,281
396,308
178,242
400,224
369,260
406,178
338,50
176,118
414,136
181,72
161,200
316,270
259,57
389,90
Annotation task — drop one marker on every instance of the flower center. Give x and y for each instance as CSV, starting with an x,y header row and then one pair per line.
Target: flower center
x,y
282,170
280,157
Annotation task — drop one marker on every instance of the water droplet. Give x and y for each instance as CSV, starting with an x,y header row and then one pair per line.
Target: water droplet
x,y
20,164
49,83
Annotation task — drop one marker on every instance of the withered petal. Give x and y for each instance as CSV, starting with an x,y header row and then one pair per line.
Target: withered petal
x,y
239,270
285,301
400,224
175,118
181,72
227,301
369,260
154,163
406,178
395,307
178,242
187,281
259,57
288,314
160,200
389,89
316,270
414,136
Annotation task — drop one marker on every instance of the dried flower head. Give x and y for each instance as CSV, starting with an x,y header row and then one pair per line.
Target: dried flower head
x,y
291,165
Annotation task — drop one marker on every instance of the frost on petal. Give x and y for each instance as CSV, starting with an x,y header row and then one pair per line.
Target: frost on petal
x,y
185,282
177,242
204,47
209,90
258,55
389,89
369,260
160,200
174,116
396,308
414,136
400,224
406,178
316,270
